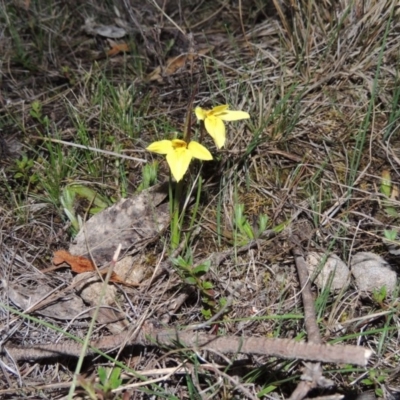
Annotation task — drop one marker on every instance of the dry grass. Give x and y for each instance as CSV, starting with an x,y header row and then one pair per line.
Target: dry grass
x,y
320,82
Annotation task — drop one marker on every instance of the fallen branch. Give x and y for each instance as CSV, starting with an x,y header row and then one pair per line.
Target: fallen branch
x,y
312,376
150,334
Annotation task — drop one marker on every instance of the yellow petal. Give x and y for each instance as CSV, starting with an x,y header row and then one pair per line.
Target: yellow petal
x,y
200,113
160,147
233,115
178,162
218,109
199,151
216,128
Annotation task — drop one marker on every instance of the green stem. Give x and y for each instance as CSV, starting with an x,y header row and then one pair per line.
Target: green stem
x,y
175,220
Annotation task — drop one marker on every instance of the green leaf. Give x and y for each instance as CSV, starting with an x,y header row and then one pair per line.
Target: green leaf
x,y
115,379
207,285
102,372
262,223
95,210
380,295
381,378
247,230
386,183
181,263
367,382
391,211
390,235
201,269
90,195
190,280
279,228
267,390
222,301
33,178
206,313
149,173
240,219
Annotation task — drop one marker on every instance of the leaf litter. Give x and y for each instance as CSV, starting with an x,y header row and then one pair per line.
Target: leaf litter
x,y
134,222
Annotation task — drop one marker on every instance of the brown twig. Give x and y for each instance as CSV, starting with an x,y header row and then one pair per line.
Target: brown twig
x,y
307,297
150,334
312,375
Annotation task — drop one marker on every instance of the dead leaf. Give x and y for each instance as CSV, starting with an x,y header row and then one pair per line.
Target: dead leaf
x,y
155,75
81,264
395,193
173,65
117,48
67,307
107,31
114,320
78,264
132,222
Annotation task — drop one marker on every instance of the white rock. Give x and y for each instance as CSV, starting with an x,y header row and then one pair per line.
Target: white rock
x,y
132,270
333,265
371,272
89,287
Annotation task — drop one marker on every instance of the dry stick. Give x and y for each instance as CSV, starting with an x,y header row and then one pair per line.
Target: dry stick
x,y
313,371
80,146
312,376
151,334
308,301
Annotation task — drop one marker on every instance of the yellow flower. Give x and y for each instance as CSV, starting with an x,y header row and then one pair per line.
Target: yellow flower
x,y
179,154
213,121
